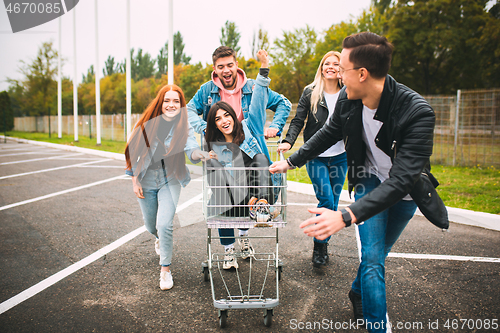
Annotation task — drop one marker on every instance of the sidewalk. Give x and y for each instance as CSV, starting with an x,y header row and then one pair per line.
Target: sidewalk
x,y
457,215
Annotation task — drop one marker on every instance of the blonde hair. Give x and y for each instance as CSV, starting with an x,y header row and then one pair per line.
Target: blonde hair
x,y
318,85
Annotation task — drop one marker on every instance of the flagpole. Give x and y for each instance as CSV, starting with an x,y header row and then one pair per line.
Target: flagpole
x,y
128,77
171,42
97,82
59,86
75,81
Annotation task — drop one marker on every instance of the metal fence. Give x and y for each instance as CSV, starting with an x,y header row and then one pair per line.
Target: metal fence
x,y
467,129
467,133
112,126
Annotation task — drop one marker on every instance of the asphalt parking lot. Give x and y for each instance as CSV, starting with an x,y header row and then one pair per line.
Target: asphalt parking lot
x,y
76,258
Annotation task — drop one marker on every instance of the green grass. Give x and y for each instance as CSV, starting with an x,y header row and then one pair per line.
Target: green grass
x,y
474,188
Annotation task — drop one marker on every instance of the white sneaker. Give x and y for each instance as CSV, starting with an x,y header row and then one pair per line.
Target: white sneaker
x,y
230,259
246,248
166,281
157,246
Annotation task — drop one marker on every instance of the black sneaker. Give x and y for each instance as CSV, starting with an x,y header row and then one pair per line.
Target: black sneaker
x,y
357,305
320,254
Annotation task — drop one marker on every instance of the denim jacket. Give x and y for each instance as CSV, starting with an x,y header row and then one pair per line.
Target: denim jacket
x,y
208,94
189,148
250,146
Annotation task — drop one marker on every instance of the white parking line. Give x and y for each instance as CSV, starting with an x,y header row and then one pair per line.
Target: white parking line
x,y
53,169
51,280
63,158
83,165
442,257
60,193
41,159
33,153
18,149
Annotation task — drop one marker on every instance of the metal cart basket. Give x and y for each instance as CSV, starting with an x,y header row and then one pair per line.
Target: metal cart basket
x,y
255,283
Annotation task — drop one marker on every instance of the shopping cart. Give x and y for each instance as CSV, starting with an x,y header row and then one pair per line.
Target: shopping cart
x,y
255,283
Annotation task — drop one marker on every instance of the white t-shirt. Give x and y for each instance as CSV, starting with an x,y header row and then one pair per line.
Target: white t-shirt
x,y
377,162
338,148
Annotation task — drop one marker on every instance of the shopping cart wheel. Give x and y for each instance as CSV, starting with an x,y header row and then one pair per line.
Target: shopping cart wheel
x,y
206,275
268,317
222,318
280,269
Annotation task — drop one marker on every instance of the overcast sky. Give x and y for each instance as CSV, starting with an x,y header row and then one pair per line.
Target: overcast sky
x,y
199,22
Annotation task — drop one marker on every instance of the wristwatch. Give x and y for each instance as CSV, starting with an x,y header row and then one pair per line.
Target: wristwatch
x,y
346,216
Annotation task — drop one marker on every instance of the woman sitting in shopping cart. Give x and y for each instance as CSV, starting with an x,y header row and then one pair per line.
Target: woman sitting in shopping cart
x,y
233,147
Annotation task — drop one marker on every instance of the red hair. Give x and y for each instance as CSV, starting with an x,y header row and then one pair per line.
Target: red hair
x,y
151,116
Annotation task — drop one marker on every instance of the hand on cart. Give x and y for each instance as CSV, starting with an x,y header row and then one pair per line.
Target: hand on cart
x,y
200,155
283,147
279,167
212,154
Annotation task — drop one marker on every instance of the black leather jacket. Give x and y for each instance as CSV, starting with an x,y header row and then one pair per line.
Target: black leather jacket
x,y
406,136
314,121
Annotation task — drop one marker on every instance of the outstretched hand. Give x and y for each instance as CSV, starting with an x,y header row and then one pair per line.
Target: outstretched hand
x,y
263,58
324,225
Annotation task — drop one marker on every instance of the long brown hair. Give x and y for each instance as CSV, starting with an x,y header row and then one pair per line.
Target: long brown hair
x,y
213,134
139,142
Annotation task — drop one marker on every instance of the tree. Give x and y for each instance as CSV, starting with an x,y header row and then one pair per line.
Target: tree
x,y
110,67
141,66
436,44
489,48
143,92
38,85
260,41
250,67
6,114
334,37
293,65
192,77
370,20
86,98
90,77
16,91
144,66
66,96
162,61
113,94
230,36
381,5
179,55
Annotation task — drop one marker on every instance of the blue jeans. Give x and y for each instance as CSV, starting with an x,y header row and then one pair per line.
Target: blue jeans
x,y
377,235
158,209
327,175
